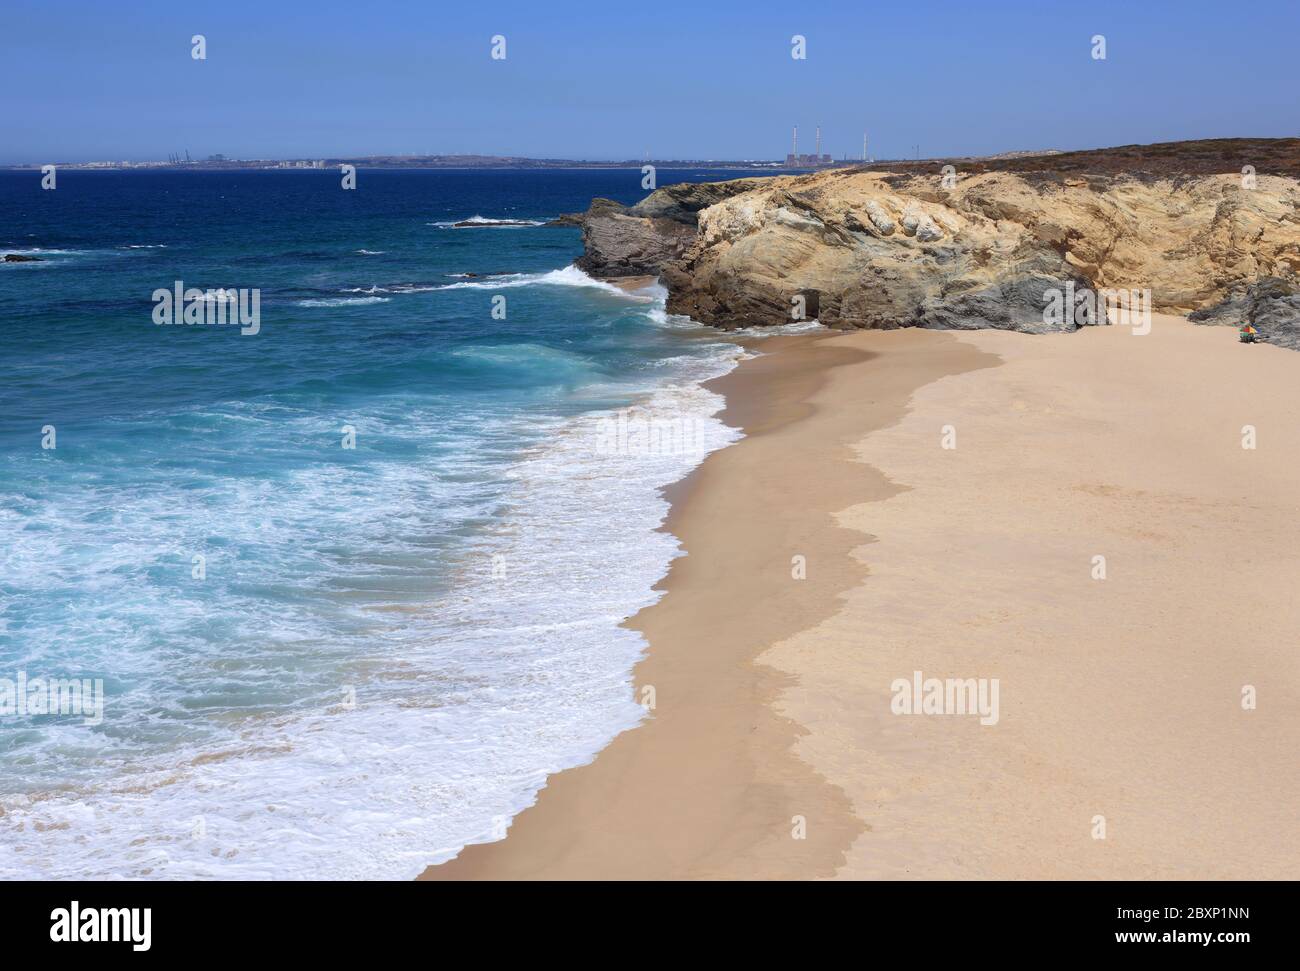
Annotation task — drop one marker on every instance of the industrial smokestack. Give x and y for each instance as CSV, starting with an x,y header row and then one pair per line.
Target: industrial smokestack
x,y
794,143
817,152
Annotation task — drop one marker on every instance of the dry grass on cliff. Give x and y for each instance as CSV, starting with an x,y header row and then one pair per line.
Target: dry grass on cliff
x,y
1210,156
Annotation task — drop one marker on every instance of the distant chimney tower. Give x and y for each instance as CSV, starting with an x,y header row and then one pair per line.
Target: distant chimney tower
x,y
864,146
794,143
817,152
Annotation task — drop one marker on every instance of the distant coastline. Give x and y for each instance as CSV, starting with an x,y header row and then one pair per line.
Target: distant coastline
x,y
1274,156
418,162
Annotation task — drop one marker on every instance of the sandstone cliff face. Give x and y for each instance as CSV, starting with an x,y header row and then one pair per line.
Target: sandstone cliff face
x,y
871,249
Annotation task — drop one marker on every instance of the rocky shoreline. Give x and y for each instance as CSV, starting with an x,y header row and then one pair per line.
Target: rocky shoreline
x,y
859,248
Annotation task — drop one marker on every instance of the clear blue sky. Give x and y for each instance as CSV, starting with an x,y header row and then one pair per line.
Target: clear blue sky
x,y
113,79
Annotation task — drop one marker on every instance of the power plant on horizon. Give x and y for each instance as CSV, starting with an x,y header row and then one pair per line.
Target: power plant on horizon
x,y
816,160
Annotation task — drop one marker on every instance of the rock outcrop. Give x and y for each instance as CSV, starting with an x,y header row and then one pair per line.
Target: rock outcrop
x,y
1272,305
640,240
858,248
21,258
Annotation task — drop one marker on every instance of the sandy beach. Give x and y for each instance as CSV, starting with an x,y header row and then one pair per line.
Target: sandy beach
x,y
920,501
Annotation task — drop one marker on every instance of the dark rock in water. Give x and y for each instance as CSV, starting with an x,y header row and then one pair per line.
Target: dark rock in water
x,y
1271,304
640,240
568,219
618,243
492,224
20,258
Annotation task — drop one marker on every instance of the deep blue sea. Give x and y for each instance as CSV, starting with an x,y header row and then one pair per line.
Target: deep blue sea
x,y
353,584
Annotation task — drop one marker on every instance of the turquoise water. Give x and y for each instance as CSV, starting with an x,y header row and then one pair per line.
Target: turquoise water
x,y
319,660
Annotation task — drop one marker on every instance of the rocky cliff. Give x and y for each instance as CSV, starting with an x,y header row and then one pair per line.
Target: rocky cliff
x,y
856,248
622,241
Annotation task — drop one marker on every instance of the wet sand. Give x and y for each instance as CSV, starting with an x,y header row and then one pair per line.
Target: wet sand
x,y
1121,748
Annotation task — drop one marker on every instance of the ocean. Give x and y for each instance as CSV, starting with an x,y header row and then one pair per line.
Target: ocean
x,y
352,585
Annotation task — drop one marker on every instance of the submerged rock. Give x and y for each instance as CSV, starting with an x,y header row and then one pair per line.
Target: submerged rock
x,y
490,223
21,258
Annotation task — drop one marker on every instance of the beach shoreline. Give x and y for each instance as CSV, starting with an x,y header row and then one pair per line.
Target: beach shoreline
x,y
773,749
658,802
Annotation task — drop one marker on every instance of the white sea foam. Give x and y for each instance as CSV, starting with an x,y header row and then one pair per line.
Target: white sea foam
x,y
41,251
341,301
461,709
778,330
395,288
482,222
569,276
